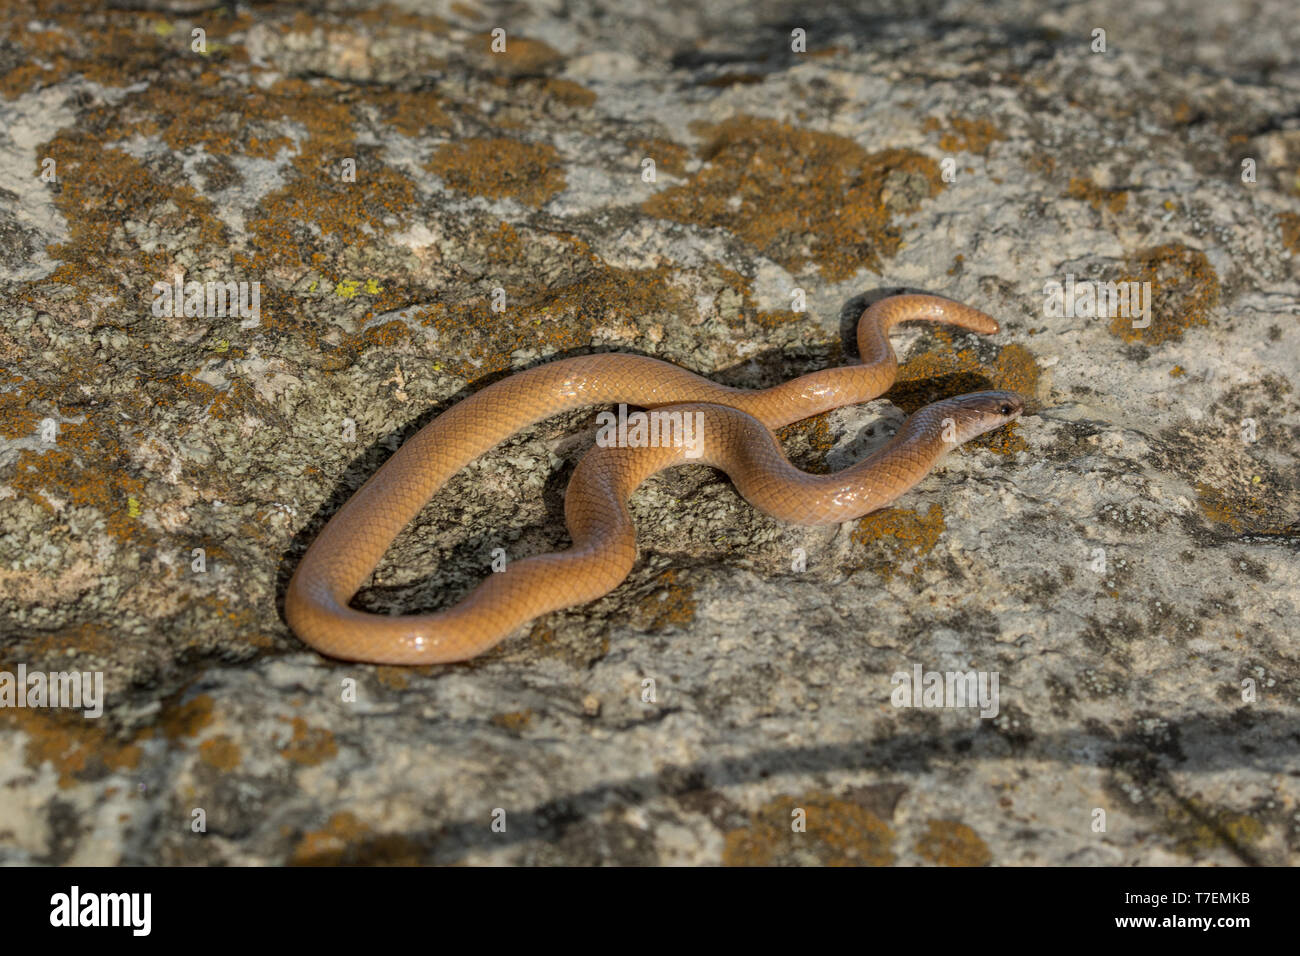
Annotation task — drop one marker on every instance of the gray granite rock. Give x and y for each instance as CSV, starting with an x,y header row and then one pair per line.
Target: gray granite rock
x,y
1124,560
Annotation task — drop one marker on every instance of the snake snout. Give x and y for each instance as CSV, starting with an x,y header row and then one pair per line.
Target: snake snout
x,y
981,412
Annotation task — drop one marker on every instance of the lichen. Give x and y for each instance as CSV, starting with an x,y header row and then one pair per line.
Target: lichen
x,y
1289,224
800,196
839,832
515,721
220,753
309,746
1085,190
951,843
670,604
500,168
1248,510
897,537
1184,291
1198,828
669,157
346,841
77,749
965,135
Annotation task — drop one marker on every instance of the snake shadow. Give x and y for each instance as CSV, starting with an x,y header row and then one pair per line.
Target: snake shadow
x,y
428,595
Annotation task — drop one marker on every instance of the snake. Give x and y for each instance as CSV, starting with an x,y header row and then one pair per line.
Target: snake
x,y
736,427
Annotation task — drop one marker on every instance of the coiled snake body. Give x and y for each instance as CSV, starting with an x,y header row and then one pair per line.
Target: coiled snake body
x,y
737,427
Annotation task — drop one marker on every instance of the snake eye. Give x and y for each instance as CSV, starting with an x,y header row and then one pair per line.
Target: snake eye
x,y
1006,409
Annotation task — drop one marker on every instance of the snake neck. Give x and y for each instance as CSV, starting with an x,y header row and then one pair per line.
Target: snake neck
x,y
925,429
876,353
877,321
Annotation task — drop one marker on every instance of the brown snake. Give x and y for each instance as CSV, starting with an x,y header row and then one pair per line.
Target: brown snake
x,y
737,426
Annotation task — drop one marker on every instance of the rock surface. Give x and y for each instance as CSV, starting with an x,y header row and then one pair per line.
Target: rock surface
x,y
1125,559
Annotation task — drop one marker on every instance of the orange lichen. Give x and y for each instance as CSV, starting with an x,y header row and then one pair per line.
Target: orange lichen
x,y
1016,369
394,678
100,186
394,19
220,753
671,604
838,832
1184,290
776,318
901,535
500,168
938,373
950,843
514,721
521,56
17,418
86,638
343,213
966,135
544,642
548,316
310,223
467,11
669,157
799,196
75,747
325,847
816,431
1085,190
1042,163
186,720
542,637
345,840
309,745
412,113
112,49
567,92
214,120
1006,440
84,477
1247,511
233,403
1289,224
1200,827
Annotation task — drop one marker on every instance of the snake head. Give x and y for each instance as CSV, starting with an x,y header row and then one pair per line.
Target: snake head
x,y
968,416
